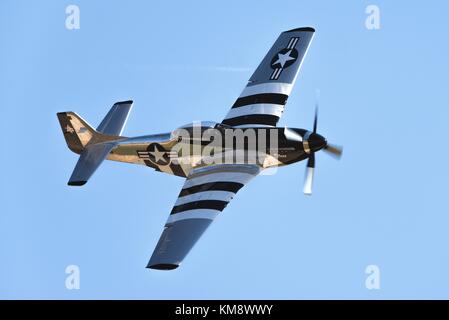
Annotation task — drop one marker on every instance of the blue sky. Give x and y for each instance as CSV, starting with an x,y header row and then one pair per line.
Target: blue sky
x,y
383,97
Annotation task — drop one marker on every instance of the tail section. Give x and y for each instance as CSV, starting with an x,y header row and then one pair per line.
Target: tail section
x,y
92,145
77,132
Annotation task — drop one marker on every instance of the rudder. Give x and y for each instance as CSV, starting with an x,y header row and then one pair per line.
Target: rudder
x,y
77,132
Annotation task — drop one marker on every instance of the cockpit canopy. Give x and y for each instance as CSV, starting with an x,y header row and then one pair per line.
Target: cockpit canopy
x,y
200,124
205,125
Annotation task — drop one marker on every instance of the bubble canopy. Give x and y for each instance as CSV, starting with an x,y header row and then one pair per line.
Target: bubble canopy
x,y
202,124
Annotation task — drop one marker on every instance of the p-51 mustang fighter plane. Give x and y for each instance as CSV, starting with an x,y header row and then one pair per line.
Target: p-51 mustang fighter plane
x,y
216,159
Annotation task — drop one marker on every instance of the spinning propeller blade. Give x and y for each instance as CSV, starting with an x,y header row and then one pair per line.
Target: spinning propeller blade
x,y
333,150
308,183
315,120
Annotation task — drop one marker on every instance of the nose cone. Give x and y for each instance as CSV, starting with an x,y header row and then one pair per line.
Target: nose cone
x,y
316,142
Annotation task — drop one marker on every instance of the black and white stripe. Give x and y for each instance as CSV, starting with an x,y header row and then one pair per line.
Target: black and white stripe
x,y
276,73
292,43
254,119
145,154
207,191
259,105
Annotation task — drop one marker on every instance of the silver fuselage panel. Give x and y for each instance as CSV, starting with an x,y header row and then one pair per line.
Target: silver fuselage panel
x,y
184,149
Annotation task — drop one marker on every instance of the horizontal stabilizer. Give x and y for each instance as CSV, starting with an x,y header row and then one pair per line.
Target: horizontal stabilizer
x,y
89,161
114,122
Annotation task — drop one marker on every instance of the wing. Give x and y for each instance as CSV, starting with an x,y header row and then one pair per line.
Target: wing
x,y
262,101
206,192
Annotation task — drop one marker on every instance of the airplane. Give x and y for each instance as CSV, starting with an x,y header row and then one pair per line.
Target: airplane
x,y
213,174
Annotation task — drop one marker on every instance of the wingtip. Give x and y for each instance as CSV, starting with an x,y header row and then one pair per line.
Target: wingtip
x,y
163,266
76,183
308,29
124,102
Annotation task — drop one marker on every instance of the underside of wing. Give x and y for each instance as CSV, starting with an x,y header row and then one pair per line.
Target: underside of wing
x,y
206,192
262,101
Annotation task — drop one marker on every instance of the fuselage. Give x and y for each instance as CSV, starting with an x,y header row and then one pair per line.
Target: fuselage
x,y
204,144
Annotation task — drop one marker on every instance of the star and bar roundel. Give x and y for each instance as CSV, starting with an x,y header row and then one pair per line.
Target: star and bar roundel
x,y
284,58
156,154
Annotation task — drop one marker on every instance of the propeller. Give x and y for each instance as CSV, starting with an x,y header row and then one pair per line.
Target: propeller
x,y
308,183
315,119
333,150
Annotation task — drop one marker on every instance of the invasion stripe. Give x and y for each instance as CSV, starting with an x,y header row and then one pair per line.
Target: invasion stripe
x,y
240,177
193,214
274,109
266,119
222,186
274,98
267,87
206,195
203,204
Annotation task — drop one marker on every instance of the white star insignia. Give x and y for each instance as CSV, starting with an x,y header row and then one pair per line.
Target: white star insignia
x,y
283,58
157,154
